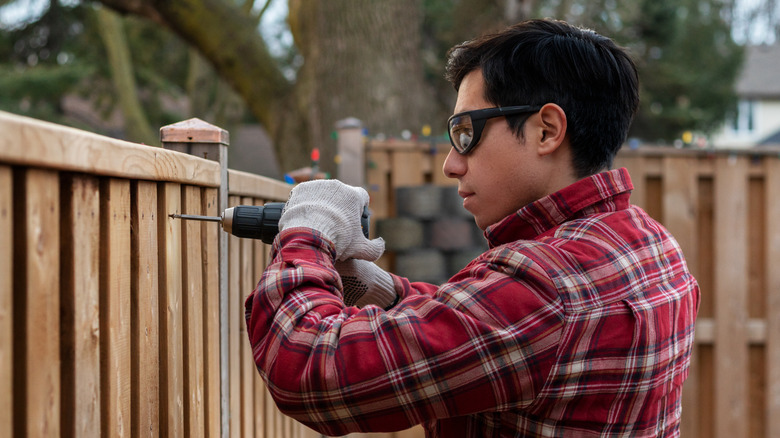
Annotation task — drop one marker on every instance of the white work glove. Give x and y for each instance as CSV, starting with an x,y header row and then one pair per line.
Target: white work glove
x,y
334,209
366,283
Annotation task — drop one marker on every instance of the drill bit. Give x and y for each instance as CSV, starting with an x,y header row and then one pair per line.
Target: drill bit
x,y
196,217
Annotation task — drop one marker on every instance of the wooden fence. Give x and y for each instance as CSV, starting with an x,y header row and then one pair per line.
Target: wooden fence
x,y
724,209
113,320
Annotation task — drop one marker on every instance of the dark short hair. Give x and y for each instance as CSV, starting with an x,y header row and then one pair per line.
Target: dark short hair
x,y
549,61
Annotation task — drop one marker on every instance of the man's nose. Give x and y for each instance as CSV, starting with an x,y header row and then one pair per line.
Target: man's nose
x,y
454,165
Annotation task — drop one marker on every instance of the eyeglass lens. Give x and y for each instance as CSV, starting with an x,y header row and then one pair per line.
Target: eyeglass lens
x,y
461,132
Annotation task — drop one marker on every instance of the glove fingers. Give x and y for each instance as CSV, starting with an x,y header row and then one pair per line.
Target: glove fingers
x,y
366,249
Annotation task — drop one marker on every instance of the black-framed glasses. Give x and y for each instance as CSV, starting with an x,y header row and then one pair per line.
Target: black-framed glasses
x,y
465,128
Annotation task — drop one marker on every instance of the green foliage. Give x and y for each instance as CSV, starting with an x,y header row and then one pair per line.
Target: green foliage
x,y
688,64
62,54
43,61
685,54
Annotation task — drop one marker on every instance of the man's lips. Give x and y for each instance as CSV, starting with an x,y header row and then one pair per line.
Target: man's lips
x,y
464,194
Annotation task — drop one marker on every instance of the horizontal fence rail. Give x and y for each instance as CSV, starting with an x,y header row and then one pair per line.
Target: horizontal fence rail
x,y
724,209
110,309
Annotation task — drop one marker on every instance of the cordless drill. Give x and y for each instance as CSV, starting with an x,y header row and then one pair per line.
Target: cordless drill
x,y
257,222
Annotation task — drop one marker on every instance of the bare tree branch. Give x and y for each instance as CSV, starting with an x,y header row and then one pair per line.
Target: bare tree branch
x,y
237,51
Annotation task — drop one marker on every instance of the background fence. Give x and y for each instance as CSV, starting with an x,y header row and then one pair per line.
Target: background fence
x,y
724,209
109,309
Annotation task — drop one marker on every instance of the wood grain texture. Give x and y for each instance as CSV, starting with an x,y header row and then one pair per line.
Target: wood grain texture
x,y
145,312
171,336
210,244
247,184
115,306
37,306
730,293
192,311
33,142
234,337
772,261
248,370
193,130
261,256
6,300
80,304
680,202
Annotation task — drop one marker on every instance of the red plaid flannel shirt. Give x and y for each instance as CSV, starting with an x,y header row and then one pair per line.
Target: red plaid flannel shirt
x,y
578,321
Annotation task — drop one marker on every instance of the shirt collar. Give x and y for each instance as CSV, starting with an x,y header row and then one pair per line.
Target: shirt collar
x,y
601,193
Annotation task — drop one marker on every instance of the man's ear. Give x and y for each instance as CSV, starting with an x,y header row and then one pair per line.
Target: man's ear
x,y
552,128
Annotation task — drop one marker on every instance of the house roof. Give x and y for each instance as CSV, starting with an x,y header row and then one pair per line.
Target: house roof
x,y
771,140
759,77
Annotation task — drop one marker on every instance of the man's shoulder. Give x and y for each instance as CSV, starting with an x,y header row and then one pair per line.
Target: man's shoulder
x,y
593,260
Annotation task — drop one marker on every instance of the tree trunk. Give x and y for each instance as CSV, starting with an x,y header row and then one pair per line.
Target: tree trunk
x,y
137,126
361,60
228,38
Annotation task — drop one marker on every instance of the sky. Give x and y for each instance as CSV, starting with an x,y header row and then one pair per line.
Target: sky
x,y
275,33
20,10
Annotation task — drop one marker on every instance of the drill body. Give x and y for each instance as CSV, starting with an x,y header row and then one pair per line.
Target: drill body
x,y
258,222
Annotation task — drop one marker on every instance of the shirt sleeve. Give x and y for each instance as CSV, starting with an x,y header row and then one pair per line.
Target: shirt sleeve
x,y
484,341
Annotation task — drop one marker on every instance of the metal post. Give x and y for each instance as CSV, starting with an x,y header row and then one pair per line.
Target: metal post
x,y
350,150
196,137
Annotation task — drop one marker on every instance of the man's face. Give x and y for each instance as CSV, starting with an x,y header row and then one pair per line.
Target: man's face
x,y
502,173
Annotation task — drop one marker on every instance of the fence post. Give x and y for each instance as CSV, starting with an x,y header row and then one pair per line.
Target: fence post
x,y
350,150
196,137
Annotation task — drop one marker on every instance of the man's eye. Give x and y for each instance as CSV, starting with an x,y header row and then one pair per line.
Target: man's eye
x,y
465,140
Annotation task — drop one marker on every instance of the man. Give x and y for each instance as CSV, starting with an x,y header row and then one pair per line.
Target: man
x,y
578,321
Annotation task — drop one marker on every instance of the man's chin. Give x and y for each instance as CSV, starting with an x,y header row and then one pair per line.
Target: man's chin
x,y
481,223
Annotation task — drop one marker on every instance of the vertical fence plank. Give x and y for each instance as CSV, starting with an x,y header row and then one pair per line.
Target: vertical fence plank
x,y
37,305
382,195
437,171
705,276
755,301
210,234
407,168
171,336
234,313
261,255
247,362
145,391
680,202
6,300
271,429
731,271
772,260
80,304
265,408
192,311
377,182
115,307
635,166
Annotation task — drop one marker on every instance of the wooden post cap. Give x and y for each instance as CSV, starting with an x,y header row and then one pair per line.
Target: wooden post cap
x,y
194,131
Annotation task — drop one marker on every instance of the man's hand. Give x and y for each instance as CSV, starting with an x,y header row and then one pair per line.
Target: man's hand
x,y
334,209
366,283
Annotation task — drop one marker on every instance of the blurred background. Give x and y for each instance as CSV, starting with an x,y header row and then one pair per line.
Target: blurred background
x,y
278,74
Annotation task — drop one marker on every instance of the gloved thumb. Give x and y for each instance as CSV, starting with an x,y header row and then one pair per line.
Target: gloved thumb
x,y
365,249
